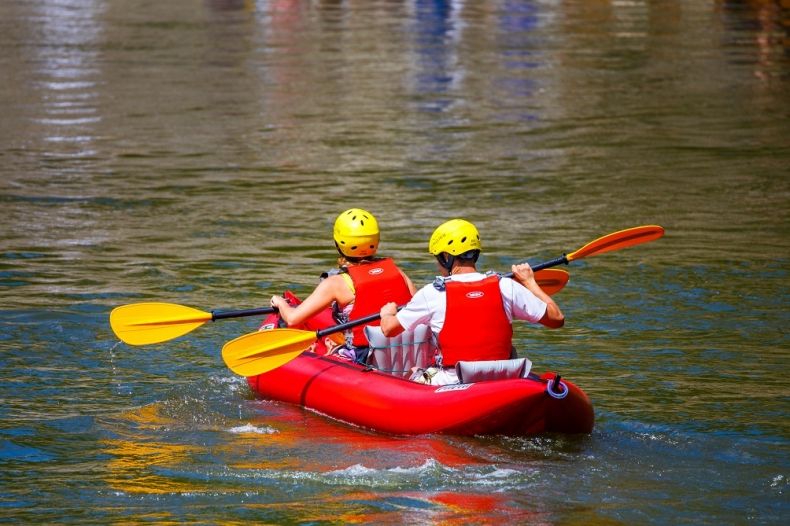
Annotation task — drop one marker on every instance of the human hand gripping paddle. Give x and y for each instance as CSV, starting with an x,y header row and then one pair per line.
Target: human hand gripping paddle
x,y
260,352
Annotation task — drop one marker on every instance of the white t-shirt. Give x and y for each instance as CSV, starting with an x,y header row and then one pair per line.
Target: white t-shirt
x,y
429,305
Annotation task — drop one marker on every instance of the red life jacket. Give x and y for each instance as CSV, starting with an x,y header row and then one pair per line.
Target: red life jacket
x,y
375,284
476,326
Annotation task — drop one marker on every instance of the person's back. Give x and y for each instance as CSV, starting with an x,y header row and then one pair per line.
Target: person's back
x,y
476,326
375,282
361,284
470,313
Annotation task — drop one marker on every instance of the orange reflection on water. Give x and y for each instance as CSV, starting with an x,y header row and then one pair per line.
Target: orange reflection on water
x,y
149,416
468,508
396,508
129,470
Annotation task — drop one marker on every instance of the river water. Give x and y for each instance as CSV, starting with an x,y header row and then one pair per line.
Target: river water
x,y
198,153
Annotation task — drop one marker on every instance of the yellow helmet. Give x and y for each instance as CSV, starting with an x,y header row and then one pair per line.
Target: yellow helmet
x,y
356,233
455,237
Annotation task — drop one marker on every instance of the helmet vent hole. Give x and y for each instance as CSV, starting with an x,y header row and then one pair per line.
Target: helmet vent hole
x,y
463,239
449,242
354,247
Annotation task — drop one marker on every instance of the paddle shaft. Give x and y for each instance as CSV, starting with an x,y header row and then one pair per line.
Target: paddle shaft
x,y
241,313
548,264
613,241
553,263
349,324
262,351
373,317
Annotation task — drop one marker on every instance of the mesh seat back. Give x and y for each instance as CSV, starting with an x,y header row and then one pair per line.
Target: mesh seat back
x,y
399,354
483,371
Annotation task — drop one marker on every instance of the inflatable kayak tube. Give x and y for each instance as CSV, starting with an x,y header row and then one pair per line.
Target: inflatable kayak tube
x,y
387,403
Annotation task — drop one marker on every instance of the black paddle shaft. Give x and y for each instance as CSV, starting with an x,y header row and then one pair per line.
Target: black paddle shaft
x,y
548,264
361,321
350,324
241,313
373,317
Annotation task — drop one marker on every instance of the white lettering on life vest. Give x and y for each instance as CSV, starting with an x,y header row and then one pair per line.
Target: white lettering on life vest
x,y
475,294
374,271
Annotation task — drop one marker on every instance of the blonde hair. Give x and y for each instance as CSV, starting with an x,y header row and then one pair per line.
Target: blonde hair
x,y
344,261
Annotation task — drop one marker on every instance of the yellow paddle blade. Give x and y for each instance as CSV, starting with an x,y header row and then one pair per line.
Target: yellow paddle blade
x,y
144,323
552,280
259,352
618,240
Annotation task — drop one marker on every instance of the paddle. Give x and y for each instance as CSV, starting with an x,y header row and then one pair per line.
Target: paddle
x,y
552,280
153,322
260,352
614,241
156,322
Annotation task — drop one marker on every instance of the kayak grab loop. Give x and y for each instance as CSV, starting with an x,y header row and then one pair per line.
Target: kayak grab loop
x,y
556,388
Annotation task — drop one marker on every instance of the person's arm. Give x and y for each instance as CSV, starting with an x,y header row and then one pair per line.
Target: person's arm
x,y
390,325
330,289
412,290
553,318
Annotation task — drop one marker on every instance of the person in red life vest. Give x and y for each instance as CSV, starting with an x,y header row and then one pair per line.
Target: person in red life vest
x,y
360,285
469,313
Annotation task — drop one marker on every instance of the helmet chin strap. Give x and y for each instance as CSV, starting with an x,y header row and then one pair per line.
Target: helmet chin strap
x,y
446,261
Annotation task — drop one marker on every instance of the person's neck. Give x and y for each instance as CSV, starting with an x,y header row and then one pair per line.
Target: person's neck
x,y
462,269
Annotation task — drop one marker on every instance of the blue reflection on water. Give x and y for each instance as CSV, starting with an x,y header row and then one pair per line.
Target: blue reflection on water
x,y
435,35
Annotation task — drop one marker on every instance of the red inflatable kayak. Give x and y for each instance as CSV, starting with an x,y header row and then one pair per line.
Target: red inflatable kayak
x,y
383,402
379,396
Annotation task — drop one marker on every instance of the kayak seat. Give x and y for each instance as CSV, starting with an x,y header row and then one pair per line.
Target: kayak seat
x,y
397,355
487,370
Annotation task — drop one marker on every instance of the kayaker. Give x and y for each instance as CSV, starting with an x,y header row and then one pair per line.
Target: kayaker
x,y
470,313
358,287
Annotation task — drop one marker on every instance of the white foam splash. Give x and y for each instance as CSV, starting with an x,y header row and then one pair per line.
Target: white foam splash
x,y
234,384
354,471
501,473
430,464
249,428
358,471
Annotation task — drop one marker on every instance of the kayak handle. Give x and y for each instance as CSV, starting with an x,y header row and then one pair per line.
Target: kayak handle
x,y
556,388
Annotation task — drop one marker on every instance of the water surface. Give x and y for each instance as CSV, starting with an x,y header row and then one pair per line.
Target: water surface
x,y
198,153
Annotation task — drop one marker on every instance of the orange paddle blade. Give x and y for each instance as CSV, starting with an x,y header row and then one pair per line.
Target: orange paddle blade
x,y
552,280
618,240
259,352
